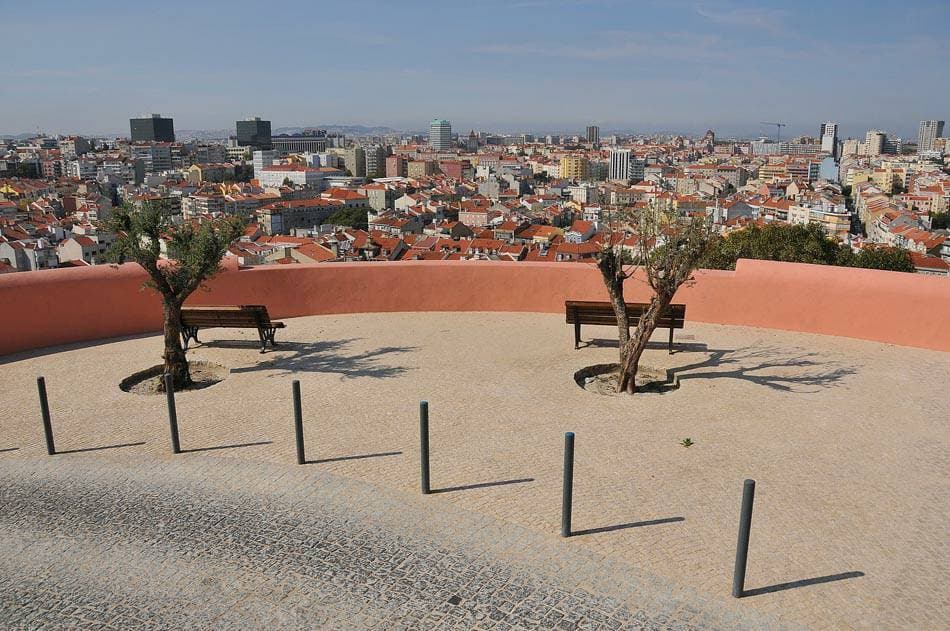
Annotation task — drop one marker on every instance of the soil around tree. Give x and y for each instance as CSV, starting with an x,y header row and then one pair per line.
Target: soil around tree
x,y
148,381
603,379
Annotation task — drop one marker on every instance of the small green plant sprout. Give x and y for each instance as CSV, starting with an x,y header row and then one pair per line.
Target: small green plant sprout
x,y
687,442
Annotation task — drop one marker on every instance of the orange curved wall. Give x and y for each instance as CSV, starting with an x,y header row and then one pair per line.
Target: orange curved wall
x,y
73,305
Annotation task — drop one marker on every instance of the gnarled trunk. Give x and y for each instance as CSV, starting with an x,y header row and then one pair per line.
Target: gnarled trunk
x,y
615,289
610,265
630,355
176,363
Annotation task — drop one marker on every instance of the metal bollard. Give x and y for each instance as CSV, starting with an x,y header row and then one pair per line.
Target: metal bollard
x,y
567,500
172,413
298,423
742,547
44,410
424,445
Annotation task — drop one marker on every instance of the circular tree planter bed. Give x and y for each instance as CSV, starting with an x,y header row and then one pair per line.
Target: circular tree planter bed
x,y
603,379
203,374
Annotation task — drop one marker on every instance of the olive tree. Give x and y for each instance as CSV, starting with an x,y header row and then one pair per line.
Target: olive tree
x,y
193,255
660,248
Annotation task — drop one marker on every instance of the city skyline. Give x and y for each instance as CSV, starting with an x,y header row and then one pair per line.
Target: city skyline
x,y
675,67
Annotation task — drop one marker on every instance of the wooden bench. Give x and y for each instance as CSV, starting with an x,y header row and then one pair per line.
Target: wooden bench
x,y
231,317
582,312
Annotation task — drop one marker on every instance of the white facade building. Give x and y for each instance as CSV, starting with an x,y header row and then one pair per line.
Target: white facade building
x,y
274,176
619,164
263,159
829,137
82,169
927,133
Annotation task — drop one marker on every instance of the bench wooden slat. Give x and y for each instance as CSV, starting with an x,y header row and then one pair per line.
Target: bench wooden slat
x,y
229,316
578,312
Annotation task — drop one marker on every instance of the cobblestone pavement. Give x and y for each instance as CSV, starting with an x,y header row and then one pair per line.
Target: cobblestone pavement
x,y
206,543
845,438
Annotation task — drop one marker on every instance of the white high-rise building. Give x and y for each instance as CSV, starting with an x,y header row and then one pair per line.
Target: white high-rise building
x,y
874,142
829,138
927,133
440,135
619,164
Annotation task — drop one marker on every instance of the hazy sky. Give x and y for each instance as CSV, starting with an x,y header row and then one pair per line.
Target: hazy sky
x,y
512,65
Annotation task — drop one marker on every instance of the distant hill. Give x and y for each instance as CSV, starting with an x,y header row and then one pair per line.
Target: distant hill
x,y
349,130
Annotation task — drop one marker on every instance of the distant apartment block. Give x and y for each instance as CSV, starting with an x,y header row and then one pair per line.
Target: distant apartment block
x,y
829,138
375,157
573,167
397,166
927,133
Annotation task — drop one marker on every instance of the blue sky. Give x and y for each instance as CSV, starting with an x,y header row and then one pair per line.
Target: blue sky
x,y
534,65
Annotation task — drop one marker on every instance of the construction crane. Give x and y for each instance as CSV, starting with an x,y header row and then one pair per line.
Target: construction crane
x,y
778,127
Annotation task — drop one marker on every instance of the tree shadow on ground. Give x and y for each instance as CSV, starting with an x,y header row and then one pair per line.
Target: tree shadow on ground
x,y
330,356
789,370
805,582
786,369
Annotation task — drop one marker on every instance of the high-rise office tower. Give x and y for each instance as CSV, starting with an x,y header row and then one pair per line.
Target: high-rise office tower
x,y
440,135
593,134
152,129
829,138
619,164
254,132
927,133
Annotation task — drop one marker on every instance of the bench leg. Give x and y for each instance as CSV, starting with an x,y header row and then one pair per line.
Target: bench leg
x,y
189,333
577,335
671,340
263,338
267,335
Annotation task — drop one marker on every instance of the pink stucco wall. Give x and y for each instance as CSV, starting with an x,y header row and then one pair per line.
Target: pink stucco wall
x,y
74,305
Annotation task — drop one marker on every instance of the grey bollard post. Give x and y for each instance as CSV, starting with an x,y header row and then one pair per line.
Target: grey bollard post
x,y
742,547
298,423
44,410
172,412
567,500
424,445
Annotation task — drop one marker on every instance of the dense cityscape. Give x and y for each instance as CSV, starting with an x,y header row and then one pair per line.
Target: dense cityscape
x,y
313,195
568,315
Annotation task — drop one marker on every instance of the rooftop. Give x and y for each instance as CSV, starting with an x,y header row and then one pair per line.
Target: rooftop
x,y
845,438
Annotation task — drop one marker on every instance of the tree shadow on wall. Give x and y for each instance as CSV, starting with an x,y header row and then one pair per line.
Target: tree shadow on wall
x,y
789,370
331,356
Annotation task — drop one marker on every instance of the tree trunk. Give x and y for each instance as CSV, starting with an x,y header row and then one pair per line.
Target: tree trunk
x,y
176,363
630,358
610,265
615,289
